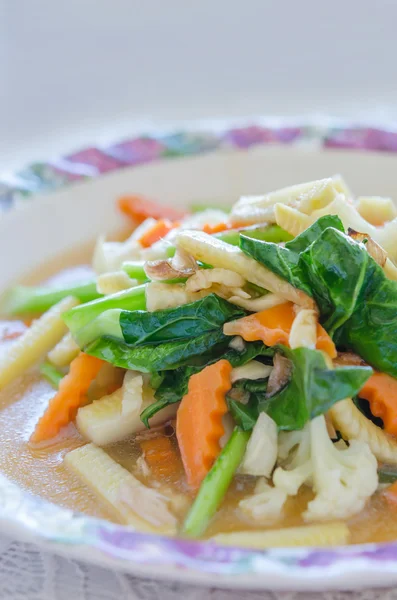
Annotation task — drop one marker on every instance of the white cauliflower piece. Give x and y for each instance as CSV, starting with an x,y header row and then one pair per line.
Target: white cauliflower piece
x,y
298,465
343,480
266,504
205,278
251,370
261,453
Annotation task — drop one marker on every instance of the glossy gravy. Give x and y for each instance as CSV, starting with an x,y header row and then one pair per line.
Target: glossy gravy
x,y
41,470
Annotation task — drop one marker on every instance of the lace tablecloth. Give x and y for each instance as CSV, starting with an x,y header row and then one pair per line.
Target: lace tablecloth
x,y
27,573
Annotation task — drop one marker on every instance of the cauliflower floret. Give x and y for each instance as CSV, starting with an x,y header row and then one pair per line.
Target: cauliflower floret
x,y
298,465
266,504
342,479
261,454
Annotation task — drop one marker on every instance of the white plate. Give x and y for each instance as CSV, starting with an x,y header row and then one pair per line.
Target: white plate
x,y
54,223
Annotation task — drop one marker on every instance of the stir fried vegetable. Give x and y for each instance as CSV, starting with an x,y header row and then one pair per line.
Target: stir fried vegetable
x,y
240,353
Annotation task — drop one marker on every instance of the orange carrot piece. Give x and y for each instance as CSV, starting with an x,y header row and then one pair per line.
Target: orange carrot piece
x,y
140,208
390,493
72,394
199,426
217,228
381,392
162,458
273,326
158,231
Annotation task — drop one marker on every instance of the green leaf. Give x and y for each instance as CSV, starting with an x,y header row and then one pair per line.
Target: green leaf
x,y
184,322
151,410
357,302
147,359
244,415
312,389
286,261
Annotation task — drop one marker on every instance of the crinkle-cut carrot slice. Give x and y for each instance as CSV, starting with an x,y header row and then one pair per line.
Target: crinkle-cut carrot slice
x,y
72,394
273,326
199,426
381,392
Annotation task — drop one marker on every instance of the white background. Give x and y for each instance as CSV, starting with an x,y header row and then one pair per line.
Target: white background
x,y
78,71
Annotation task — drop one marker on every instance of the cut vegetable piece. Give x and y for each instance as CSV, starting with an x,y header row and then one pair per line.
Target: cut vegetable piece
x,y
199,420
64,352
114,282
160,296
205,278
303,332
219,254
376,209
51,374
140,208
329,534
133,299
36,341
257,304
72,394
381,392
157,232
135,269
291,219
24,300
251,370
215,485
268,233
353,425
273,326
114,417
107,323
131,502
261,454
254,209
162,458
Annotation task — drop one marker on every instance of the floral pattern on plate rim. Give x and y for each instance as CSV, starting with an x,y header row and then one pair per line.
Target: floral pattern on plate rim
x,y
61,526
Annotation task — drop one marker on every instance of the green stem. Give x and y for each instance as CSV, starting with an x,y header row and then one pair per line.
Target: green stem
x,y
25,300
51,374
135,270
215,485
269,233
80,316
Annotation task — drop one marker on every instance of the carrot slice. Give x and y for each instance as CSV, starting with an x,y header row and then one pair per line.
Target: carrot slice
x,y
140,208
158,231
72,394
199,425
381,392
273,326
162,458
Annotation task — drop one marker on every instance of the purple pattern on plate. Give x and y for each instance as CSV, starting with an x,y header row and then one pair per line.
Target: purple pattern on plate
x,y
362,139
98,161
136,151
